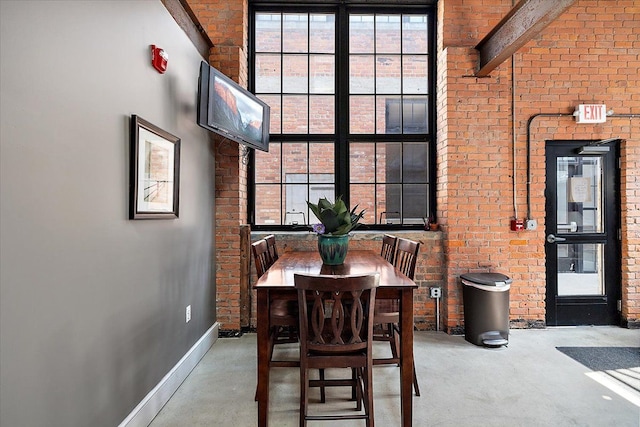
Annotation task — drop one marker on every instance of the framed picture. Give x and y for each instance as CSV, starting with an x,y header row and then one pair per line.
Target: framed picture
x,y
155,172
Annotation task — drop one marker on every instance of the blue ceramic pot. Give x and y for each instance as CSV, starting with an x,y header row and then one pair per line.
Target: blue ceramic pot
x,y
333,249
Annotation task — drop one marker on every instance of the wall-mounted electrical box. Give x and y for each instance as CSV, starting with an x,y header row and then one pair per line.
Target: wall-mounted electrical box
x,y
517,224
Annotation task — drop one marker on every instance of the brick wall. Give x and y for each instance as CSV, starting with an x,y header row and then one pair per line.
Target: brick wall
x,y
588,55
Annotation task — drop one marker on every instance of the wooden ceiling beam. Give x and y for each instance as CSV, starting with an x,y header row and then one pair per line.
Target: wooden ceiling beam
x,y
523,22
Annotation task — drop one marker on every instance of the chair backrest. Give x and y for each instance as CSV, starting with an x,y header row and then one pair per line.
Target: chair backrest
x,y
388,250
273,250
336,312
406,256
261,256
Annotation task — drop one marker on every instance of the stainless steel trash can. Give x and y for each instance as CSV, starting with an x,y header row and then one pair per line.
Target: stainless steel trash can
x,y
486,308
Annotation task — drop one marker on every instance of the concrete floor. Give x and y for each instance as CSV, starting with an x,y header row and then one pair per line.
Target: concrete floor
x,y
528,383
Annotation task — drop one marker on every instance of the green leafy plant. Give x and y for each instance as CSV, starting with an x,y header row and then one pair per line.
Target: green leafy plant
x,y
335,218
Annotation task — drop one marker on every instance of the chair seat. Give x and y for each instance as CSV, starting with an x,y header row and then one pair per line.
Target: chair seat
x,y
284,312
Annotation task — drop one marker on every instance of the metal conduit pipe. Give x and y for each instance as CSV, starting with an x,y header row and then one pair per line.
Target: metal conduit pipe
x,y
513,134
531,119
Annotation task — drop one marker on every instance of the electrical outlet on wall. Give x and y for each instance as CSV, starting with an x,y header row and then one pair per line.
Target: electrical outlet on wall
x,y
188,314
435,292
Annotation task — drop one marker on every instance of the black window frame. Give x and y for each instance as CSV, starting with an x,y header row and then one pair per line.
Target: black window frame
x,y
342,9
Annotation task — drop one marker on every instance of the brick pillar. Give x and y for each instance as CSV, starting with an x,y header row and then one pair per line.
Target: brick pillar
x,y
226,22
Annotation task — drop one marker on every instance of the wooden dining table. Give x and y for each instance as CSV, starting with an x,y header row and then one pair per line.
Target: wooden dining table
x,y
278,283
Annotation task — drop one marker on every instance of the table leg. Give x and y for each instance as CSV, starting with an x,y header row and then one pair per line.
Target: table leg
x,y
406,357
263,356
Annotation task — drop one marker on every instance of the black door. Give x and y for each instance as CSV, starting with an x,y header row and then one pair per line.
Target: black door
x,y
582,233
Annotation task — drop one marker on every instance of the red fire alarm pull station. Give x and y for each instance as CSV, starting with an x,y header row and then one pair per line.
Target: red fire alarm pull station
x,y
159,59
517,225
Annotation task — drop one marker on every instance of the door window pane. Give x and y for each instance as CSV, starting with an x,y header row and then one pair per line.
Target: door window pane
x,y
579,195
580,269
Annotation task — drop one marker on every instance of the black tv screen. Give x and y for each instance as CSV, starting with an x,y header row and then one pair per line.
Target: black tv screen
x,y
231,111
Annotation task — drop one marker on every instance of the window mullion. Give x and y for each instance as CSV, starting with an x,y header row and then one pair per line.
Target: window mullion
x,y
342,107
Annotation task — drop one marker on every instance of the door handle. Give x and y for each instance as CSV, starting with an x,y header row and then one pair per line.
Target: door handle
x,y
552,239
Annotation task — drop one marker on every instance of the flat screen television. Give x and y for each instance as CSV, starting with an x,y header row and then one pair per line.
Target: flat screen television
x,y
231,111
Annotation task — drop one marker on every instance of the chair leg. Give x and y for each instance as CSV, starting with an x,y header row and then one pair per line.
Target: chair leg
x,y
396,342
272,339
304,396
368,393
323,396
356,376
415,380
394,337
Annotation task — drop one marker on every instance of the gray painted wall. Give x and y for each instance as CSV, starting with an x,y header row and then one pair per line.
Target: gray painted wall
x,y
92,305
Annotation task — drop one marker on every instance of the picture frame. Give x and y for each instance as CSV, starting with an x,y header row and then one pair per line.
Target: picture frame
x,y
154,185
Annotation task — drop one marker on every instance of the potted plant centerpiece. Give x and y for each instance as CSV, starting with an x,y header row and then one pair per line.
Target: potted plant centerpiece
x,y
336,221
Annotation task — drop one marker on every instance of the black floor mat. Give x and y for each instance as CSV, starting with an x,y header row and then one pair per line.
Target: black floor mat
x,y
604,358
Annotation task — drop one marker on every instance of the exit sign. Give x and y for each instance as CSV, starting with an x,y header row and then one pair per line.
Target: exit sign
x,y
591,113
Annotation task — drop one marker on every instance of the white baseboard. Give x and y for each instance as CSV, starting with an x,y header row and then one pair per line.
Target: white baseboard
x,y
146,411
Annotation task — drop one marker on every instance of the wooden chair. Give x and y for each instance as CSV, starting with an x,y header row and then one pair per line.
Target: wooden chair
x,y
273,249
261,257
283,314
387,314
336,327
388,250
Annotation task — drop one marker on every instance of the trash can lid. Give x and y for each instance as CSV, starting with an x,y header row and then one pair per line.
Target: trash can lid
x,y
490,279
